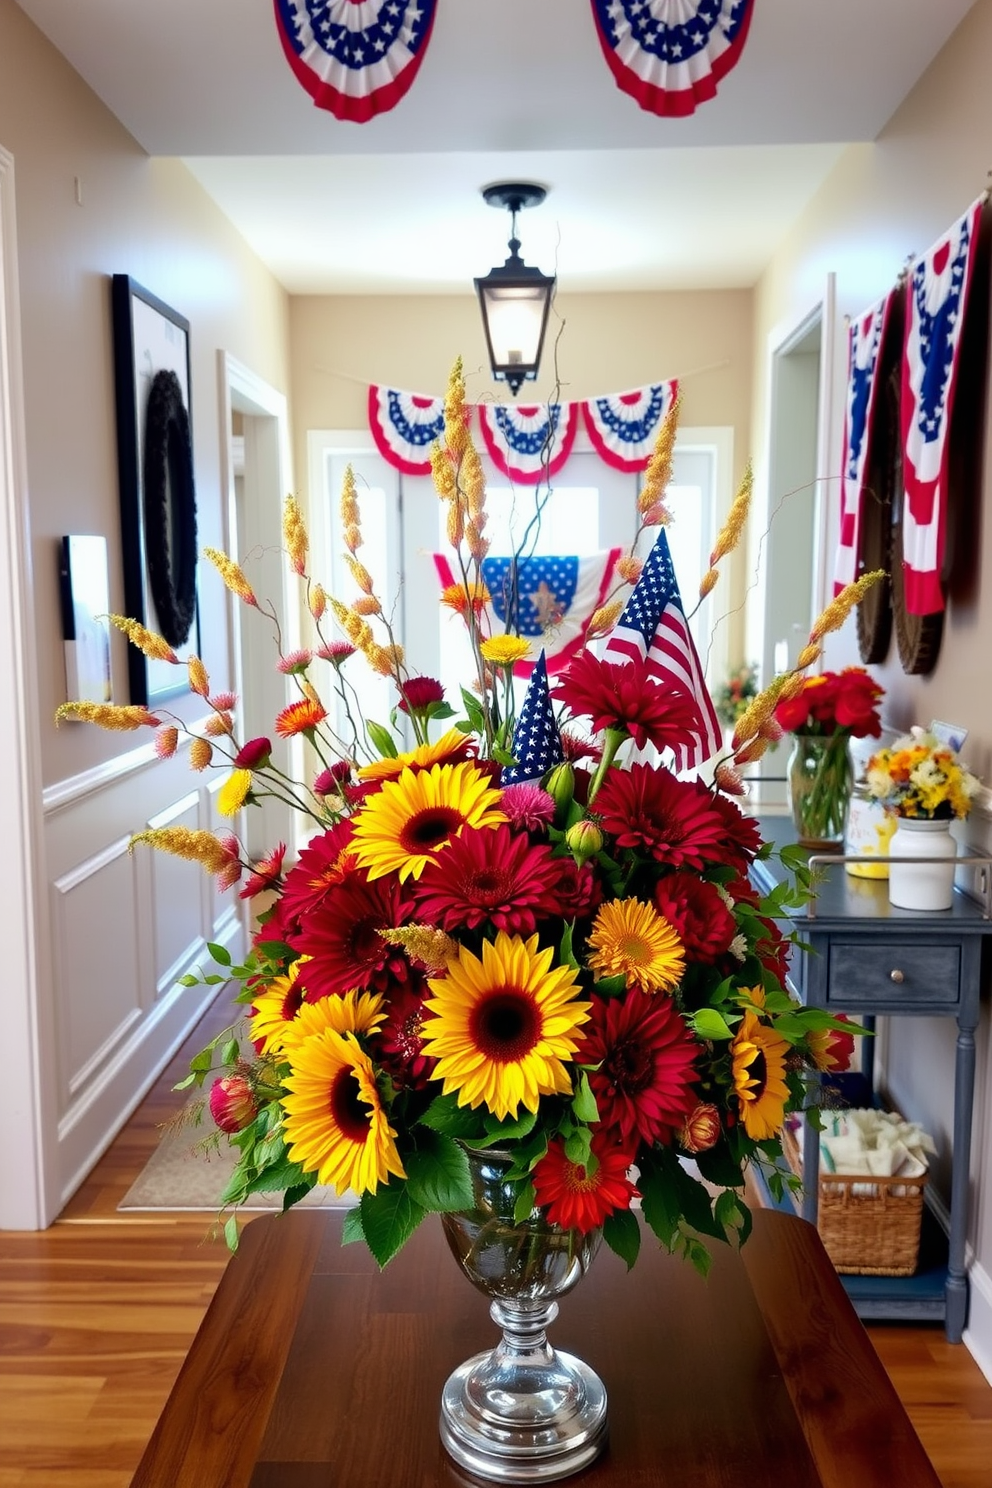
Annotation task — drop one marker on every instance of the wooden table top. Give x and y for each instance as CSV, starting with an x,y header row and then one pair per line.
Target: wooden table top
x,y
313,1369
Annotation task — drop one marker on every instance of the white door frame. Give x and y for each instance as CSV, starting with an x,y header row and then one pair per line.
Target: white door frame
x,y
29,1197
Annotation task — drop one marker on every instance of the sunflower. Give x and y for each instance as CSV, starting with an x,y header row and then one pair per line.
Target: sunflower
x,y
633,940
335,1124
502,1027
355,1012
758,1056
450,749
402,827
273,1011
580,1198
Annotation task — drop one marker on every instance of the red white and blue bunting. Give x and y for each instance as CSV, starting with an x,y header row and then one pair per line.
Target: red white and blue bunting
x,y
549,602
624,427
529,444
404,427
864,345
936,300
670,55
356,58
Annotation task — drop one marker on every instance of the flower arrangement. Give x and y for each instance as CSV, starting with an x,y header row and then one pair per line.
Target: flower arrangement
x,y
502,934
920,777
825,713
740,688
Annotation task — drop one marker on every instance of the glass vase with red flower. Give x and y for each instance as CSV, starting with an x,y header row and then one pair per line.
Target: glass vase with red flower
x,y
825,713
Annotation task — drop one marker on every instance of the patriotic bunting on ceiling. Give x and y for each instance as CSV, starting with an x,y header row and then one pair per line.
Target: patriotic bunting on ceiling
x,y
623,427
527,444
355,59
404,426
670,55
551,601
864,346
937,296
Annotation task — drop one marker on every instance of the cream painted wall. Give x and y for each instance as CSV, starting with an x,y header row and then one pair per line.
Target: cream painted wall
x,y
152,220
882,203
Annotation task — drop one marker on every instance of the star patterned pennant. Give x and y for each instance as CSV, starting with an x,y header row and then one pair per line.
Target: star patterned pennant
x,y
536,738
670,55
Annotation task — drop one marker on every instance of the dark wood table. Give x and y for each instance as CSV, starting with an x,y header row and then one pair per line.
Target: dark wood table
x,y
312,1369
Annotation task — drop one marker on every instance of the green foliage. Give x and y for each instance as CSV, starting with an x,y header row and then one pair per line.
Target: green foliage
x,y
381,739
437,1171
389,1217
622,1234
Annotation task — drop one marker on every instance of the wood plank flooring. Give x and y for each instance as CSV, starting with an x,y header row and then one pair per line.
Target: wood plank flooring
x,y
97,1313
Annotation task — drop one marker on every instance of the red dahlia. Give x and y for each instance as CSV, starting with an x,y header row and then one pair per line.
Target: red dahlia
x,y
323,864
574,893
398,1044
645,1058
647,808
578,1199
419,694
627,697
342,938
694,907
741,837
485,874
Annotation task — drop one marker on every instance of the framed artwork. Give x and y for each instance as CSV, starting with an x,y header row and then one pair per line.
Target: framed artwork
x,y
157,493
85,588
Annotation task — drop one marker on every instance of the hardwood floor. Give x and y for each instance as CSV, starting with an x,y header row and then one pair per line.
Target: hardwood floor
x,y
97,1313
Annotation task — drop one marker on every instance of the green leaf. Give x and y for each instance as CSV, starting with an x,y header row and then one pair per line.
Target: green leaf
x,y
191,1079
381,739
437,1172
696,1204
622,1234
351,1231
231,1233
613,986
389,1218
189,980
295,1194
566,956
230,1052
733,1214
498,1133
219,953
578,1146
697,1254
281,1175
718,1166
659,1204
440,710
524,1203
204,1060
213,979
473,711
709,1024
504,757
584,1105
445,1115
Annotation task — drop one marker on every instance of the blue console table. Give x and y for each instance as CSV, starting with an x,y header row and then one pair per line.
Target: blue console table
x,y
869,958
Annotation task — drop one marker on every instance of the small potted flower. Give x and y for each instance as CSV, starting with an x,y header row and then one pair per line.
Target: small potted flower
x,y
740,688
824,715
924,784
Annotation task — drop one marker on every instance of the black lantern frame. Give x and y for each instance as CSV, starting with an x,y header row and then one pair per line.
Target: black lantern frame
x,y
516,290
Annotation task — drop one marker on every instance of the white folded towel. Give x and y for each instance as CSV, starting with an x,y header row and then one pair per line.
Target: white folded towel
x,y
879,1143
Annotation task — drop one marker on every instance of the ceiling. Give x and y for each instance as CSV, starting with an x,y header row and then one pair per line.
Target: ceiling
x,y
509,89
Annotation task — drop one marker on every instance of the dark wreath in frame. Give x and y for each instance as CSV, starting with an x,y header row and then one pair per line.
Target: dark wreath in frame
x,y
157,492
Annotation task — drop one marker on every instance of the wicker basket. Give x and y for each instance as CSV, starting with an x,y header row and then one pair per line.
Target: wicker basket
x,y
869,1226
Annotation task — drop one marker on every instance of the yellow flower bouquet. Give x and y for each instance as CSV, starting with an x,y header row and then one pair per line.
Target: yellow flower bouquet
x,y
920,777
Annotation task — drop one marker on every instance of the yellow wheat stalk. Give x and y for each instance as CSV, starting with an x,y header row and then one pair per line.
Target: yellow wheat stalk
x,y
294,533
232,575
152,644
117,717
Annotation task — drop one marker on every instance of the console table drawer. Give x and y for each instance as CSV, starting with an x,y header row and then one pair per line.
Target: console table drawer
x,y
893,973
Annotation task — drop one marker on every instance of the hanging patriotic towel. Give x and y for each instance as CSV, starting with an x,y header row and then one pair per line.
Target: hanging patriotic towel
x,y
864,347
404,426
531,443
653,624
935,309
623,427
356,58
536,739
551,600
670,54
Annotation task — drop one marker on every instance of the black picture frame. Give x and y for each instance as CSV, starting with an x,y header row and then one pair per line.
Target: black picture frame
x,y
155,474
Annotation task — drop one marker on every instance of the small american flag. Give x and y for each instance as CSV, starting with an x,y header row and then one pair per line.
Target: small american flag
x,y
536,740
653,625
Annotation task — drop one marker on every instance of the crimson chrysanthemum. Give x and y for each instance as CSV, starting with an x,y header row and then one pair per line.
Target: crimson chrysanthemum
x,y
579,1198
266,873
697,910
344,943
399,1043
323,864
485,875
573,893
419,694
741,837
627,696
644,1057
648,809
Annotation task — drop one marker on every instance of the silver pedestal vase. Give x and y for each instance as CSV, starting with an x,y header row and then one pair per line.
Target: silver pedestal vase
x,y
521,1412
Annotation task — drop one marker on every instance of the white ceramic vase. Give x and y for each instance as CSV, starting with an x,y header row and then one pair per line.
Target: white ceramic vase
x,y
921,885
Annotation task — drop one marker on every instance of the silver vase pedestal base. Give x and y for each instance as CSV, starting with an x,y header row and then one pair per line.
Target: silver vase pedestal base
x,y
522,1412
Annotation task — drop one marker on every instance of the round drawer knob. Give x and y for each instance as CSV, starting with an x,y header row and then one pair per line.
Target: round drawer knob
x,y
896,975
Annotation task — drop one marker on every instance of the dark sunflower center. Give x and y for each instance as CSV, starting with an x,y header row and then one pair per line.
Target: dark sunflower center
x,y
758,1071
292,1002
505,1025
429,828
347,1109
628,1067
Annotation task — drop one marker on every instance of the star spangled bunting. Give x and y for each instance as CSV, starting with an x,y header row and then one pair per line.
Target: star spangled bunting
x,y
532,443
936,299
865,338
355,60
653,625
623,427
404,427
553,598
668,57
536,739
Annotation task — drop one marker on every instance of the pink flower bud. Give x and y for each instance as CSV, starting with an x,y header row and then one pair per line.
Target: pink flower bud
x,y
232,1103
701,1129
254,755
